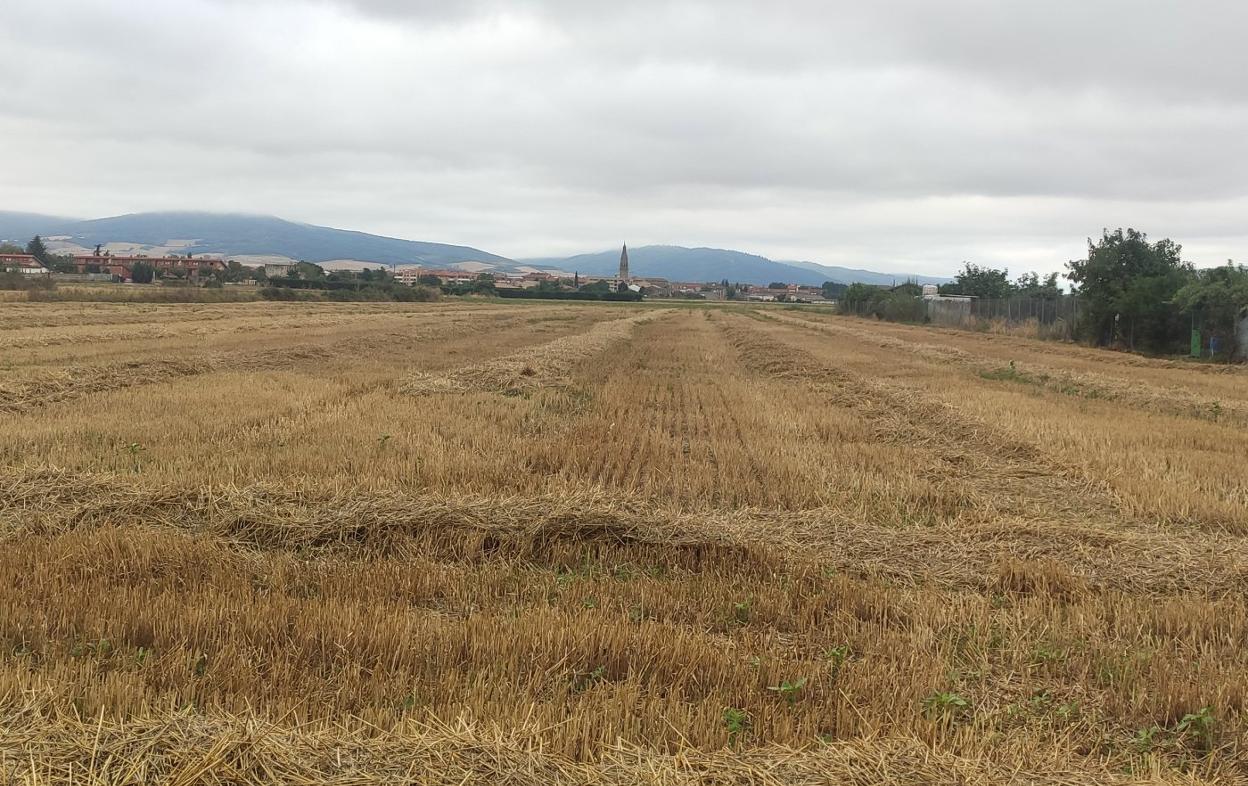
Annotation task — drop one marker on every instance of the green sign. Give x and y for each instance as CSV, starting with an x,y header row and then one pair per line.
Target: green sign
x,y
1195,342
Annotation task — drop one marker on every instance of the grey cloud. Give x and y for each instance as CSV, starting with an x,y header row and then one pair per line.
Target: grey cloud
x,y
845,132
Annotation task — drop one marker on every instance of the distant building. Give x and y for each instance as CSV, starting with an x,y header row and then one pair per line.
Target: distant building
x,y
540,276
408,275
624,265
122,266
279,269
657,287
25,264
447,276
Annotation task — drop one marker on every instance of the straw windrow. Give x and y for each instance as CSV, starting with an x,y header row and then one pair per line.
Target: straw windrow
x,y
686,546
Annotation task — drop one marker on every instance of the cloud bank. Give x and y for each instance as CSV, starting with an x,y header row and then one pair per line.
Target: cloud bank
x,y
898,135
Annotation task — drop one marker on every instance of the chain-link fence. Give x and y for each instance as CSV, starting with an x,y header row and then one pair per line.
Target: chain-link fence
x,y
1045,317
1039,317
1169,331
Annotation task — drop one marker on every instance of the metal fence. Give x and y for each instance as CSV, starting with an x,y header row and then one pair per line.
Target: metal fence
x,y
1046,317
1040,317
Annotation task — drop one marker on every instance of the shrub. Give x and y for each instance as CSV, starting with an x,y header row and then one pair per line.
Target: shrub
x,y
19,281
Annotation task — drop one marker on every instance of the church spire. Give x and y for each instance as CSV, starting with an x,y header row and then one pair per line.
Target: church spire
x,y
624,264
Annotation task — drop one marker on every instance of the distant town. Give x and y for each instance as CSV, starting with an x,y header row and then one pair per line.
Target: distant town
x,y
215,270
1129,293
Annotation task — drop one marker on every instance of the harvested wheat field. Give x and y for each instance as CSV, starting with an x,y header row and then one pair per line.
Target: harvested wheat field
x,y
610,544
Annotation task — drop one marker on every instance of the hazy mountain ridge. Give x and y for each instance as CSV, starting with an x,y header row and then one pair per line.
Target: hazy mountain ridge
x,y
851,275
237,234
678,263
257,237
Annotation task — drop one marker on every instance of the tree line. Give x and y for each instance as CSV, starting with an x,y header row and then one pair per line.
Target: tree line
x,y
1132,293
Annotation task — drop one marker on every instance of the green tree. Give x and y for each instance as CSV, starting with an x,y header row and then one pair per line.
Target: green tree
x,y
600,287
1031,285
832,290
1216,299
484,284
235,272
1126,285
857,296
980,282
309,272
142,273
11,248
429,280
777,285
60,263
38,250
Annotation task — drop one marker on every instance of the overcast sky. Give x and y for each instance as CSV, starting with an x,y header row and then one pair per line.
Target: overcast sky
x,y
901,136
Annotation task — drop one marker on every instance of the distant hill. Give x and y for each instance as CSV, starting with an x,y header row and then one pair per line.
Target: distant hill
x,y
259,237
21,227
677,263
850,275
237,234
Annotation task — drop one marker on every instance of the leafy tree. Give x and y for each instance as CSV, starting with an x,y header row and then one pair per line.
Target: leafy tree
x,y
980,282
1031,285
1216,299
832,290
142,273
600,287
1126,284
901,303
235,272
777,285
11,248
429,280
484,284
857,296
308,271
60,263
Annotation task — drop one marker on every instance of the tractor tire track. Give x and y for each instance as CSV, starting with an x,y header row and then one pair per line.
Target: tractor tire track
x,y
1011,477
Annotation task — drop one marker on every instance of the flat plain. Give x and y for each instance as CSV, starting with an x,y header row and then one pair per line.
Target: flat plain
x,y
594,543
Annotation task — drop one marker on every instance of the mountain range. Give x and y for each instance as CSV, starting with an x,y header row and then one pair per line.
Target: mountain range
x,y
242,235
252,238
678,263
